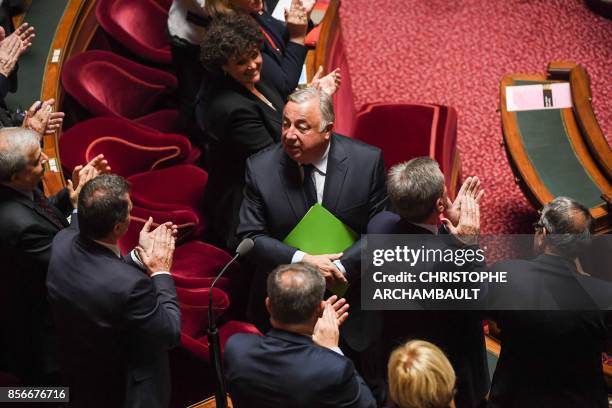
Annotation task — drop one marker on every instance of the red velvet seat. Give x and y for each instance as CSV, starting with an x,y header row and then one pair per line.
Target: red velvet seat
x,y
165,121
405,131
173,188
106,84
186,221
194,321
129,148
139,25
196,264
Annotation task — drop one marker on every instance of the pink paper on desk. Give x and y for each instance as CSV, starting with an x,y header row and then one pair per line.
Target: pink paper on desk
x,y
533,97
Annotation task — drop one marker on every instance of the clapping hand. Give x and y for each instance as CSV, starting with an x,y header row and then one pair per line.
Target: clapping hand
x,y
340,307
10,50
470,187
468,226
82,174
146,236
158,258
41,118
328,83
25,33
326,332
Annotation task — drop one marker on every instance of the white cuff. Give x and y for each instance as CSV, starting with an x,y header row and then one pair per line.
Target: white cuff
x,y
161,273
340,266
337,350
136,259
298,256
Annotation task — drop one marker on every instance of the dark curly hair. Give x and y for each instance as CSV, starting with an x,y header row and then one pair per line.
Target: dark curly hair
x,y
229,36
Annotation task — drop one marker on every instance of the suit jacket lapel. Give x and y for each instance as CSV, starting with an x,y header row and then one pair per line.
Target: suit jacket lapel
x,y
289,173
336,172
15,195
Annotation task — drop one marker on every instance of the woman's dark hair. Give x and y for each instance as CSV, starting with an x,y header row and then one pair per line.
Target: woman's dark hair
x,y
229,36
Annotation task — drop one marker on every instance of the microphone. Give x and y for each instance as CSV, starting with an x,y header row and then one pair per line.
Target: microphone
x,y
214,344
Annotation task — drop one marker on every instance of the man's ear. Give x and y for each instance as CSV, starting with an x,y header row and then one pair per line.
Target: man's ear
x,y
328,130
268,308
440,204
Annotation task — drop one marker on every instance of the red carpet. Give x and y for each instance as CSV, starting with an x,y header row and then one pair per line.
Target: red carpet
x,y
456,52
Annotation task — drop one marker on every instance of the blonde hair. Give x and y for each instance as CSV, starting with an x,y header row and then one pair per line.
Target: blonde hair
x,y
420,376
218,8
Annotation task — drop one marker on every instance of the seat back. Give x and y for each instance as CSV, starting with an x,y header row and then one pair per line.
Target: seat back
x,y
402,131
138,25
107,84
129,148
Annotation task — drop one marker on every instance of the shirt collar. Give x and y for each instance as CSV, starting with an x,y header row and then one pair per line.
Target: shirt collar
x,y
429,227
112,247
29,194
321,164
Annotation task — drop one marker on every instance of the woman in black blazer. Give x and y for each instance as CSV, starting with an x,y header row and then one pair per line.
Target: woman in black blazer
x,y
241,113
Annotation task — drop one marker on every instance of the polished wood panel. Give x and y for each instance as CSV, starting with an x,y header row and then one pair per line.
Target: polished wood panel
x,y
210,403
72,36
583,109
329,26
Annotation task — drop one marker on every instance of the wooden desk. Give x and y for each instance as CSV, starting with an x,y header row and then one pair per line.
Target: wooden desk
x,y
210,403
559,152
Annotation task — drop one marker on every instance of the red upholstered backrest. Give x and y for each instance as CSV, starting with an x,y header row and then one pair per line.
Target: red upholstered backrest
x,y
144,20
129,148
402,131
194,308
446,142
122,93
207,263
185,220
148,188
107,84
344,101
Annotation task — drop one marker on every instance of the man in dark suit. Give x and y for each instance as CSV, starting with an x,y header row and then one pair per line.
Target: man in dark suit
x,y
419,197
312,165
298,362
115,322
29,223
551,357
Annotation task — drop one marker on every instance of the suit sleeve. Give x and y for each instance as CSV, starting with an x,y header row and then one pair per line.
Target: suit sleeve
x,y
36,244
5,85
351,390
247,131
291,64
62,202
253,225
377,202
152,311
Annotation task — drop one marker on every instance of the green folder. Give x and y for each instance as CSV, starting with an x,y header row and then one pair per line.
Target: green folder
x,y
320,232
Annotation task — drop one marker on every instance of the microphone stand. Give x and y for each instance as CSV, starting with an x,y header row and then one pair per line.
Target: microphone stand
x,y
214,344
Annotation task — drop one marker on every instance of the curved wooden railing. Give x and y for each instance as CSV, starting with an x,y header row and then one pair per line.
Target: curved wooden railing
x,y
579,122
73,35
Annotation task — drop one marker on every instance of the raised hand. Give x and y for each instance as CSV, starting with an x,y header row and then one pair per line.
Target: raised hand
x,y
41,118
82,174
340,307
326,333
158,258
468,226
471,187
146,236
296,19
10,50
25,33
329,83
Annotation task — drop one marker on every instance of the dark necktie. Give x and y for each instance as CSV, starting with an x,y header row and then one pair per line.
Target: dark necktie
x,y
44,206
309,187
